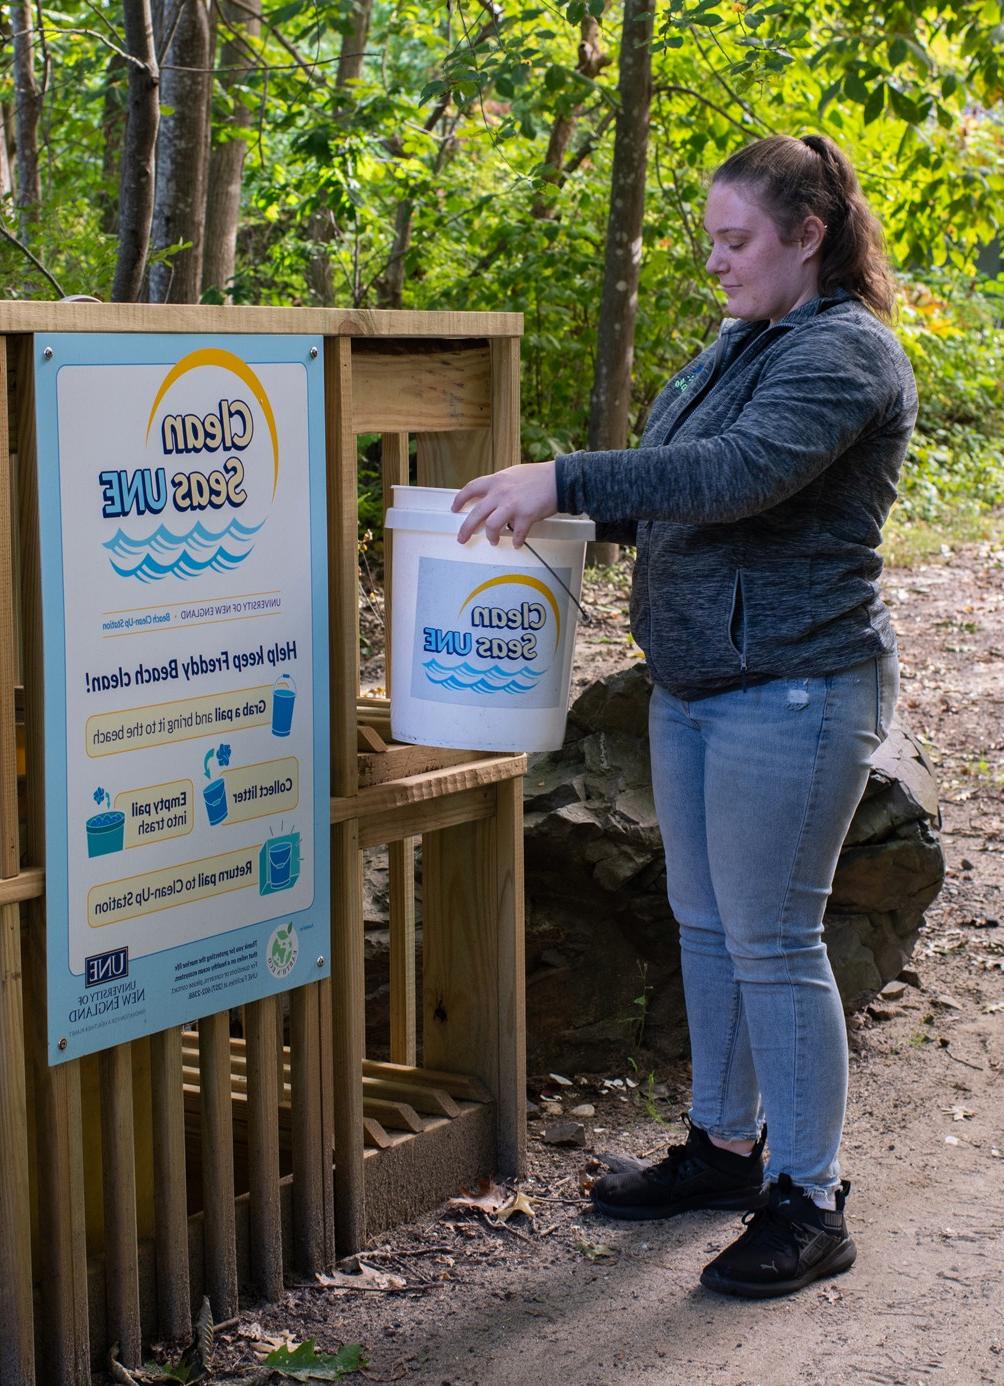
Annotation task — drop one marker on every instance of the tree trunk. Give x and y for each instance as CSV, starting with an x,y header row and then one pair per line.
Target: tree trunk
x,y
591,62
28,109
6,183
611,395
226,160
353,49
136,186
179,212
322,228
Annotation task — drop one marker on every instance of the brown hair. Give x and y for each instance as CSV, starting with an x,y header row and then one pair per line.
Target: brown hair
x,y
811,176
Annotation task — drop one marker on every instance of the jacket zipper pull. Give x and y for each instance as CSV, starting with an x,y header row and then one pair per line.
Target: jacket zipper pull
x,y
742,670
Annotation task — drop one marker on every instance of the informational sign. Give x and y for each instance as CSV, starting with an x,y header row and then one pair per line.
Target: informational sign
x,y
182,502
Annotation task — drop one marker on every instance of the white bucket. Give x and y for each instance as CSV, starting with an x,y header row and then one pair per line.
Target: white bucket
x,y
482,636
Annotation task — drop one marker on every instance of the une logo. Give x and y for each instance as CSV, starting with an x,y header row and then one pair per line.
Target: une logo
x,y
106,967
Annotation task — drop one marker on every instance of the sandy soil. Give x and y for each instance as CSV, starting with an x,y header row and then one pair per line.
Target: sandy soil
x,y
572,1298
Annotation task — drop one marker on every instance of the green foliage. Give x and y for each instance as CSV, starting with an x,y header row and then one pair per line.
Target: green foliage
x,y
305,1363
956,346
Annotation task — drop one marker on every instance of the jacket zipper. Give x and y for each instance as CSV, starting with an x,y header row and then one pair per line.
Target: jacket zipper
x,y
738,604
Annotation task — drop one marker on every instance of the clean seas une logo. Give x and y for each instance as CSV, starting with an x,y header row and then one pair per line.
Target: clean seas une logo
x,y
282,951
106,967
210,421
500,633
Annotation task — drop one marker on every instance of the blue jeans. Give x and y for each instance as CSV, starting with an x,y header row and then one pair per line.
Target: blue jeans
x,y
755,789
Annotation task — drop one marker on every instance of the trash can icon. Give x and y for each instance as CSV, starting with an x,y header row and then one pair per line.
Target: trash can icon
x,y
105,833
283,698
215,795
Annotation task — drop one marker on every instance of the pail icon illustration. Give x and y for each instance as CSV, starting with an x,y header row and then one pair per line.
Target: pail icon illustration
x,y
279,863
215,795
105,833
283,698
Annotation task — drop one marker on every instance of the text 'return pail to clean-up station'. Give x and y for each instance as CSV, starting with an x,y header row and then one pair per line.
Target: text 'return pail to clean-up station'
x,y
482,636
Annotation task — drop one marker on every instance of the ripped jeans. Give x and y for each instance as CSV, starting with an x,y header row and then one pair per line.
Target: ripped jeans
x,y
755,789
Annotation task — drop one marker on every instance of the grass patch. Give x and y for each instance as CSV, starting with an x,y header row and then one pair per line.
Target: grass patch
x,y
908,541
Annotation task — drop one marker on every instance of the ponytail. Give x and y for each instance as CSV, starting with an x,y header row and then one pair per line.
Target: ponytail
x,y
811,176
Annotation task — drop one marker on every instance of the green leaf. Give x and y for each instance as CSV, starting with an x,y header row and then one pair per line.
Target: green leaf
x,y
874,104
709,21
305,1363
903,106
596,8
856,88
897,51
575,11
431,89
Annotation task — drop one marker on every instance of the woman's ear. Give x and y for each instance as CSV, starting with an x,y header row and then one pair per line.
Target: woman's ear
x,y
813,234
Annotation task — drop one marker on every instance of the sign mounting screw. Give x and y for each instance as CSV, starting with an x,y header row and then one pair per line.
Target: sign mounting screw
x,y
313,353
62,1043
47,353
320,960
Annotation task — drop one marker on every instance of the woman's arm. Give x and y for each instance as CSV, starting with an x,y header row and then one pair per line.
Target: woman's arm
x,y
812,403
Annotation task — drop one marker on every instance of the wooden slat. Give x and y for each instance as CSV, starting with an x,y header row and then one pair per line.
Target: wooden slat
x,y
401,871
218,1165
398,1116
421,392
460,1021
118,1167
399,762
451,459
348,1037
461,1085
374,1136
393,472
505,403
17,1347
510,981
178,317
263,1148
327,1116
310,1160
174,1314
427,816
64,1356
343,604
415,789
28,884
431,1101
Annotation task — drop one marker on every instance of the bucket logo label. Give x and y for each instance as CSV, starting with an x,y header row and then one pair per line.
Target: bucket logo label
x,y
483,641
283,950
211,471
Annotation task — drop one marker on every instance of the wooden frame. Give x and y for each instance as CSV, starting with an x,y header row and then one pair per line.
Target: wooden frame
x,y
245,1129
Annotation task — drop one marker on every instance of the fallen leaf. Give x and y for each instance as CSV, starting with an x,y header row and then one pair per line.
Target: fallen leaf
x,y
518,1203
595,1251
305,1363
489,1198
367,1279
958,1113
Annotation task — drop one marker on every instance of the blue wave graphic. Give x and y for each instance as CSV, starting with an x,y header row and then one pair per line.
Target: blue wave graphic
x,y
166,554
462,677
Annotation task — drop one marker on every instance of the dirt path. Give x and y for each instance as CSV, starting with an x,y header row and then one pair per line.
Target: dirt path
x,y
577,1300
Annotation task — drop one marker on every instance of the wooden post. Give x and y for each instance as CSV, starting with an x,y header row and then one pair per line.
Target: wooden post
x,y
174,1308
17,1347
348,1035
511,978
218,1165
263,1147
401,862
64,1333
311,1162
505,402
118,1167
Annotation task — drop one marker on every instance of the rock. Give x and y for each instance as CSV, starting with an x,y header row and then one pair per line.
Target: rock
x,y
551,1108
892,991
948,1002
884,1012
564,1133
911,977
596,884
585,1109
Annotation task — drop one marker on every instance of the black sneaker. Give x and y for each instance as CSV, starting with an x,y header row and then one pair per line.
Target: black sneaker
x,y
693,1175
786,1246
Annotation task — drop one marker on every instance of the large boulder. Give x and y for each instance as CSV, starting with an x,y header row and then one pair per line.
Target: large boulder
x,y
602,944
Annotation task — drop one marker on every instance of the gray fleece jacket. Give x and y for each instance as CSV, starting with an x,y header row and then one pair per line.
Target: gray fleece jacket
x,y
757,498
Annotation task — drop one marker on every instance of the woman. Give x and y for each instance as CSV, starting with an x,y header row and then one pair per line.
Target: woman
x,y
756,499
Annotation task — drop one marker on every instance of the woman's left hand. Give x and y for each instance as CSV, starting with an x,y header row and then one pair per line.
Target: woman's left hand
x,y
512,499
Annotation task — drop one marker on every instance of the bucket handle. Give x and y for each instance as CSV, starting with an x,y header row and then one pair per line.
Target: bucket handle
x,y
587,620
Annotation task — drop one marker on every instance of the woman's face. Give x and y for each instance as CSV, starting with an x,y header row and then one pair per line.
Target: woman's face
x,y
763,276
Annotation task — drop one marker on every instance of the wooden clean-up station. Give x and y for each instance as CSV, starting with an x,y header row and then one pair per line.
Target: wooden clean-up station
x,y
235,1148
